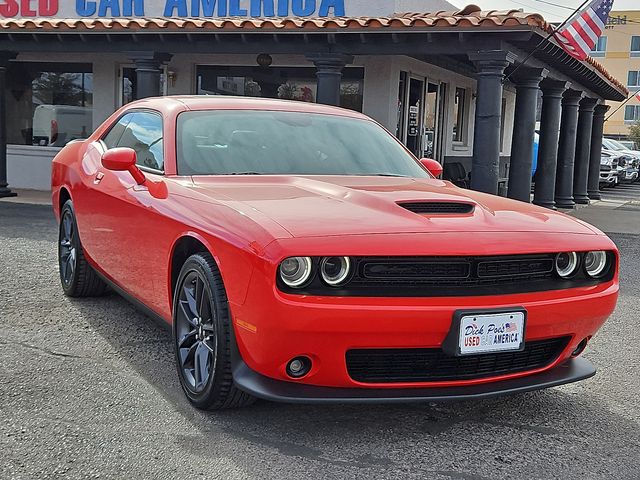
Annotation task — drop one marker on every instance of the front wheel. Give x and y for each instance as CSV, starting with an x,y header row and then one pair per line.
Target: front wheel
x,y
78,278
202,335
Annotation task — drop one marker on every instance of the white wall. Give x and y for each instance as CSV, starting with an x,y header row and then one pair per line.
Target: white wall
x,y
30,167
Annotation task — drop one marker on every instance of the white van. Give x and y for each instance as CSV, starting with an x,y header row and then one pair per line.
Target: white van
x,y
57,125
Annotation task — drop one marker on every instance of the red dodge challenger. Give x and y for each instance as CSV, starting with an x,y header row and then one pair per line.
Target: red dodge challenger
x,y
302,254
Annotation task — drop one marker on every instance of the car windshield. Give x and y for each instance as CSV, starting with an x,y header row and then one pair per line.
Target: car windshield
x,y
612,145
248,142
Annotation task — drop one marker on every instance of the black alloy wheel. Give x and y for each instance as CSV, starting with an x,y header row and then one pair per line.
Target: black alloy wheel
x,y
203,337
67,252
78,278
196,332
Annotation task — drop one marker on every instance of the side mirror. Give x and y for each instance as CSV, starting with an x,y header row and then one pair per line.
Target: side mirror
x,y
433,166
123,159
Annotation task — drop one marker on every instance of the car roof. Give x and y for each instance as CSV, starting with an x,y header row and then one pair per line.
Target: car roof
x,y
220,102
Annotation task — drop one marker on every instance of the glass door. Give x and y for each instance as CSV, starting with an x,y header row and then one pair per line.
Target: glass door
x,y
128,83
431,120
415,116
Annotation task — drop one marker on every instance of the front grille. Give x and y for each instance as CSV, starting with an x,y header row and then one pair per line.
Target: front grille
x,y
431,364
415,270
605,168
438,208
510,268
443,272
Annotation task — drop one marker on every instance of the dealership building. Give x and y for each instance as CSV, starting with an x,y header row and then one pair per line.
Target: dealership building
x,y
462,86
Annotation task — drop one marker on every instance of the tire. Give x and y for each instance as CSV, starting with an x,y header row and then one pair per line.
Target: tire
x,y
202,337
77,277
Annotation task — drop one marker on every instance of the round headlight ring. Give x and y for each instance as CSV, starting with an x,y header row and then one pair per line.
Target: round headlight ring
x,y
295,272
335,270
596,263
566,264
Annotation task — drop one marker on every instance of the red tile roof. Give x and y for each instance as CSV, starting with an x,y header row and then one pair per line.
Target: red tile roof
x,y
468,17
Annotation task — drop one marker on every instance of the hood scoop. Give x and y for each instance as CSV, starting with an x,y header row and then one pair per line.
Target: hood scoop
x,y
438,208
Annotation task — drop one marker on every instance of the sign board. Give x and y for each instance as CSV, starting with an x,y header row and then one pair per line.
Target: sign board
x,y
211,8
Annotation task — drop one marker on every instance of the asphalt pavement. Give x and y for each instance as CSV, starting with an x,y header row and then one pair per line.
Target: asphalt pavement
x,y
88,389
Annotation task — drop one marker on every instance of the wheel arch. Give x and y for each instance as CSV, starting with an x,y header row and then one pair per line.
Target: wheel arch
x,y
63,196
184,246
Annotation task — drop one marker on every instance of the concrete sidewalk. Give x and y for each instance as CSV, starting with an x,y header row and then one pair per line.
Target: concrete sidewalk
x,y
31,197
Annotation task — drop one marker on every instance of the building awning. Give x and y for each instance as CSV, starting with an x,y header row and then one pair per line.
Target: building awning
x,y
469,19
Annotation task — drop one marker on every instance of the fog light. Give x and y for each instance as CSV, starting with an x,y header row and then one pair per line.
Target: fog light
x,y
299,367
580,348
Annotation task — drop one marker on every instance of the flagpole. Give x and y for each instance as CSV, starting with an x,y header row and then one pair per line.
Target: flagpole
x,y
546,40
635,95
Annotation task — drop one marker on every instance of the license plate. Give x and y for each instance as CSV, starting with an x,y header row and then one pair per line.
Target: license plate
x,y
475,333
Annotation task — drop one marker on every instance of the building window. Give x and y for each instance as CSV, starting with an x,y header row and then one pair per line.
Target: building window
x,y
635,45
633,80
632,113
49,104
459,115
288,83
600,48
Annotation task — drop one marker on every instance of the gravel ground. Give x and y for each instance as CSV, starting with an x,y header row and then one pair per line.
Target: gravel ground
x,y
88,389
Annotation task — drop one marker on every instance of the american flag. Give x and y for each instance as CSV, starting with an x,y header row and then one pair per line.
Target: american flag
x,y
511,327
581,32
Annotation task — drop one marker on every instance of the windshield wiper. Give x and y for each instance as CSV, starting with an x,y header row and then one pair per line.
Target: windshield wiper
x,y
245,173
387,175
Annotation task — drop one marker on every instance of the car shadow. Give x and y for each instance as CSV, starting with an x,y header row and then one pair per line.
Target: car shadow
x,y
147,347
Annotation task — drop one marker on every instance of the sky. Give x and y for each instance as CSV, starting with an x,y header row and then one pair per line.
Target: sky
x,y
551,13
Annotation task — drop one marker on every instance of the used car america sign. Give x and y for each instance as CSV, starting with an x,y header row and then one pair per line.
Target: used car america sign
x,y
172,8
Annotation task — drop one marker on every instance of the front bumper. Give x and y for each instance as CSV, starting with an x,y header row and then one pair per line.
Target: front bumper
x,y
608,178
272,328
631,175
573,370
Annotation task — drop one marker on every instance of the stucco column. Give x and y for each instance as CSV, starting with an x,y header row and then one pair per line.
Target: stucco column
x,y
329,68
567,149
527,87
490,66
583,150
148,71
545,187
5,191
595,155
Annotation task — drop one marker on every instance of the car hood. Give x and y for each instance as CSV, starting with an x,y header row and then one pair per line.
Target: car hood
x,y
336,206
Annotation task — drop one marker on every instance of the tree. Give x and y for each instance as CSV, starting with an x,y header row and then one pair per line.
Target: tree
x,y
59,89
634,133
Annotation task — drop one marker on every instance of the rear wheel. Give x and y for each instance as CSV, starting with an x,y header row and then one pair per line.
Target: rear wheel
x,y
77,277
202,335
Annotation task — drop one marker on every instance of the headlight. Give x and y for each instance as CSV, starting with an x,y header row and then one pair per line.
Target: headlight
x,y
595,263
335,270
566,264
296,271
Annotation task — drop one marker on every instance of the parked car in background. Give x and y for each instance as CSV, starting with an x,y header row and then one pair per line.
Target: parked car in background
x,y
608,170
629,160
628,144
57,125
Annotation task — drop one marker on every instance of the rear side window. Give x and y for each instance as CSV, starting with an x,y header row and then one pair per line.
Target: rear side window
x,y
143,133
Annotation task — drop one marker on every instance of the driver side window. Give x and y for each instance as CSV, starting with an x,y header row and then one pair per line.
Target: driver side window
x,y
144,134
141,131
